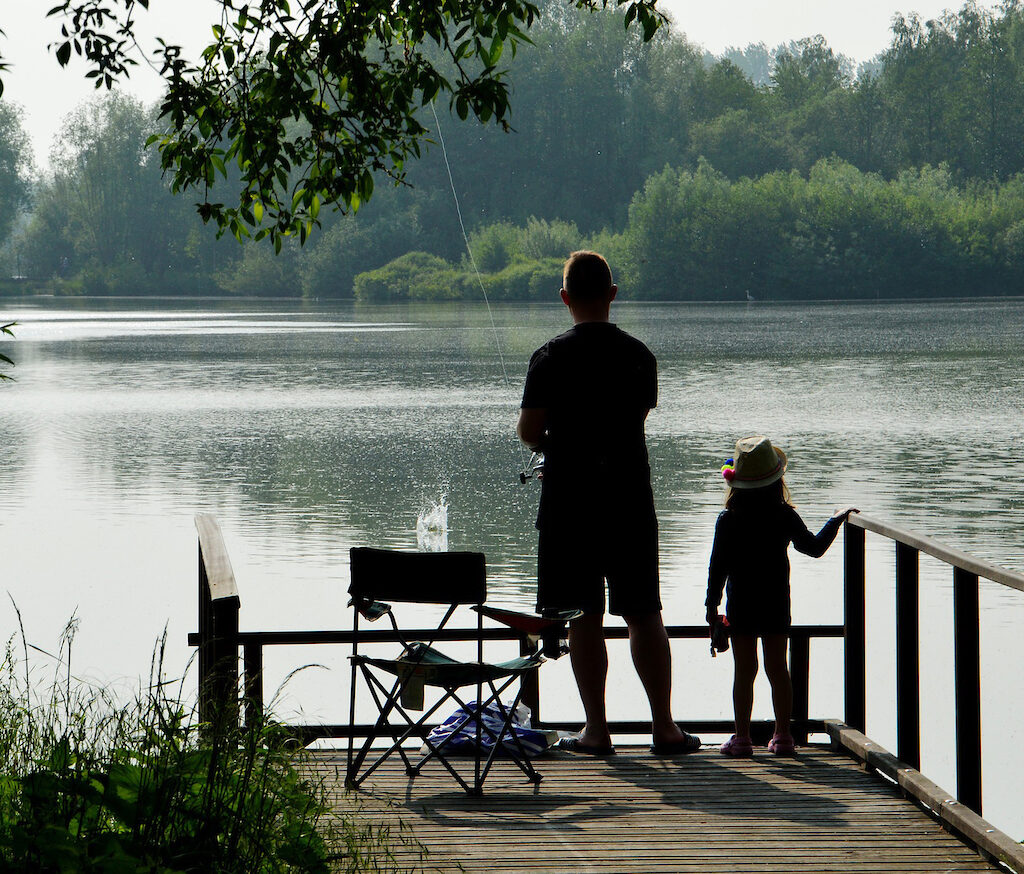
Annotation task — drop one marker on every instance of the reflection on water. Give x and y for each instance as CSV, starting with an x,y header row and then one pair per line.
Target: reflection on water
x,y
309,430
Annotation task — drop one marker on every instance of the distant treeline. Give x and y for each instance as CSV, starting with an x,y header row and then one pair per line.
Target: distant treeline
x,y
771,173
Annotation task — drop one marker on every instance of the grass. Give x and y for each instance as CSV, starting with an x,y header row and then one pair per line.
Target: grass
x,y
90,783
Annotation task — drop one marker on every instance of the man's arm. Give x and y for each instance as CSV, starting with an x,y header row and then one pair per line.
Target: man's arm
x,y
532,426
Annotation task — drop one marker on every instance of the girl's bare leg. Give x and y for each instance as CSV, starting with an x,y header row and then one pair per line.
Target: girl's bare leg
x,y
775,648
744,655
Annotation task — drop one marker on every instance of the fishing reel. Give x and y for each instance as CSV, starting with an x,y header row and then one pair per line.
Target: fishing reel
x,y
534,468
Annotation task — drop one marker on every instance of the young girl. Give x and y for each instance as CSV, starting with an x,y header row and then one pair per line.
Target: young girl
x,y
752,537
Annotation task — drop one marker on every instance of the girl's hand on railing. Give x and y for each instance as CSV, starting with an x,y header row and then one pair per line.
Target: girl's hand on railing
x,y
842,514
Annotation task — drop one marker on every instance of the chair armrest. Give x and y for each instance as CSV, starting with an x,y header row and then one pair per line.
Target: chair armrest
x,y
528,623
370,610
549,629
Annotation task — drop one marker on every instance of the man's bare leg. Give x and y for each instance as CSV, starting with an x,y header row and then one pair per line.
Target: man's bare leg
x,y
589,656
652,658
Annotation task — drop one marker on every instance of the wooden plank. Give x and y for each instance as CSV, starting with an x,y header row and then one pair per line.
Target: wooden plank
x,y
215,557
819,811
951,812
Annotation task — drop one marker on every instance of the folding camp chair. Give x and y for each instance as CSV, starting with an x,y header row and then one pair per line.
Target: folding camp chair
x,y
396,685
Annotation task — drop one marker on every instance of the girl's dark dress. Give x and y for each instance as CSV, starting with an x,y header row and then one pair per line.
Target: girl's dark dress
x,y
750,553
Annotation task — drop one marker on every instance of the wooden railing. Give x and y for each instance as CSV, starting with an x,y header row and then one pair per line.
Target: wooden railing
x,y
966,571
219,641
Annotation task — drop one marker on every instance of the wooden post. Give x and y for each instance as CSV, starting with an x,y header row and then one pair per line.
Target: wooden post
x,y
218,627
799,668
908,673
205,629
531,684
854,647
253,661
966,620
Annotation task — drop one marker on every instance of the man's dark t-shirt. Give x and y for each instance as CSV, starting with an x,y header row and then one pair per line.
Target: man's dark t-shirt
x,y
596,383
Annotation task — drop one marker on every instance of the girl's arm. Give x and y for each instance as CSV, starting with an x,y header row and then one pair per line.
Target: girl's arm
x,y
718,572
816,545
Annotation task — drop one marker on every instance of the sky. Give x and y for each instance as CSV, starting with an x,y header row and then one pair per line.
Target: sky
x,y
859,29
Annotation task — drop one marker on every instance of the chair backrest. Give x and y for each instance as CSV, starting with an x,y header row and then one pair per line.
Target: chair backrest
x,y
420,577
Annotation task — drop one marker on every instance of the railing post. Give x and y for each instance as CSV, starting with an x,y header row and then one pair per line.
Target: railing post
x,y
853,607
253,663
800,669
205,628
908,649
223,679
218,628
531,684
966,620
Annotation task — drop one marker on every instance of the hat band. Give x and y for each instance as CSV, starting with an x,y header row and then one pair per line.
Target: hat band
x,y
754,479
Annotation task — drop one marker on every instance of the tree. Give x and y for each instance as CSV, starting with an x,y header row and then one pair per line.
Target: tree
x,y
807,69
15,166
309,103
105,217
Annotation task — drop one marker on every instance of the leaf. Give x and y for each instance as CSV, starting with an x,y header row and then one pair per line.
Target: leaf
x,y
497,47
64,54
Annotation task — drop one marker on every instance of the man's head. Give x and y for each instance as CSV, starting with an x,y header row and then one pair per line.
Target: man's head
x,y
586,277
587,287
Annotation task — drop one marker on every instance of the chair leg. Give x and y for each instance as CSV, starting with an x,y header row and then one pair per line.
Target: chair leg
x,y
384,710
522,760
386,707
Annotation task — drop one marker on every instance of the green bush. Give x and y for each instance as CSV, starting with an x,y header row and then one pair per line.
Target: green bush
x,y
414,276
88,784
494,246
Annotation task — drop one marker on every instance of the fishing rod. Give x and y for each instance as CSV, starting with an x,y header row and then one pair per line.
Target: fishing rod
x,y
534,467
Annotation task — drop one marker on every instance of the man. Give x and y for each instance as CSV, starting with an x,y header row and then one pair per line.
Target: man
x,y
587,395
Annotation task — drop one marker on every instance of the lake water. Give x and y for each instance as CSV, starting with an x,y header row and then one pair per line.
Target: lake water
x,y
309,429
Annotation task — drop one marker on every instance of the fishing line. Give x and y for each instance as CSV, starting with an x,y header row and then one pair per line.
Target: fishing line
x,y
527,462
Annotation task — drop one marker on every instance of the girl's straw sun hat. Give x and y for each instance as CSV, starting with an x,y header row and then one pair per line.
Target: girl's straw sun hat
x,y
757,463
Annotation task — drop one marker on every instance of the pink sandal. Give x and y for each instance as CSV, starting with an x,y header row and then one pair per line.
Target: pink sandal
x,y
738,747
782,745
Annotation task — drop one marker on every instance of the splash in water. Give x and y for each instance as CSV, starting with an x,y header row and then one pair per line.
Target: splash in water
x,y
432,527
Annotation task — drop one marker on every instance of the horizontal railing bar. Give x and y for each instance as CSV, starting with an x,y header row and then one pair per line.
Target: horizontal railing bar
x,y
707,726
948,554
294,638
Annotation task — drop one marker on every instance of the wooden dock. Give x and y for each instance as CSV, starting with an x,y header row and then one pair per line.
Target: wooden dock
x,y
851,806
633,812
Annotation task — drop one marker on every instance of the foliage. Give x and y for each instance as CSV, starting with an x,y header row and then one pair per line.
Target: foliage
x,y
415,275
5,360
91,785
310,103
15,166
599,116
838,233
496,247
105,221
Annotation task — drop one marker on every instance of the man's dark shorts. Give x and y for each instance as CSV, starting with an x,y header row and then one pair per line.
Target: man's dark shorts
x,y
572,568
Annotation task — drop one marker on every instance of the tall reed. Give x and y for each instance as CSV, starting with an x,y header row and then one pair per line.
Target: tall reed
x,y
93,783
